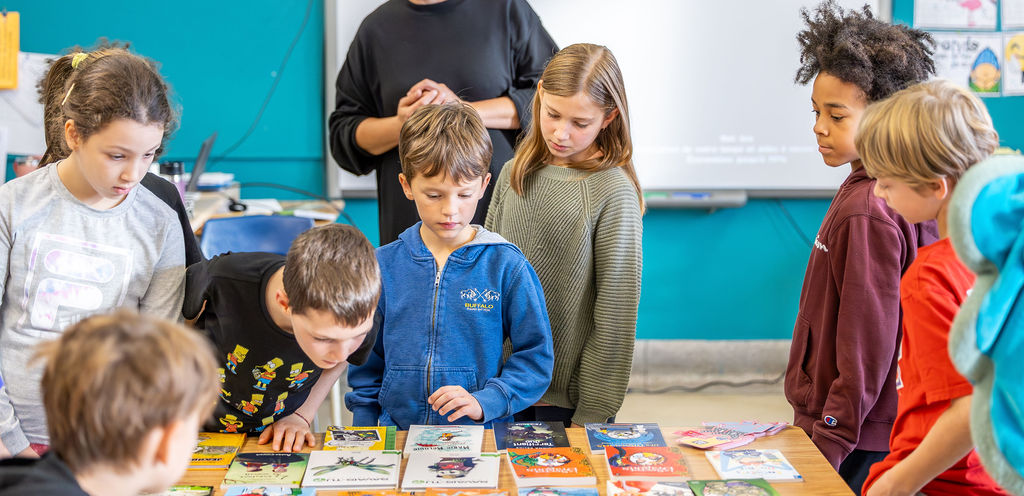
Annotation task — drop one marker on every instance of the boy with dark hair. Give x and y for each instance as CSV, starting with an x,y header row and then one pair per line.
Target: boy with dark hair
x,y
282,352
124,396
841,377
453,293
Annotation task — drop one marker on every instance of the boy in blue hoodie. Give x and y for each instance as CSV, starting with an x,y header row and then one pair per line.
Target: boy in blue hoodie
x,y
452,294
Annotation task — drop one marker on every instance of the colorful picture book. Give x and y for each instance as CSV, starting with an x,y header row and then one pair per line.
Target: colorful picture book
x,y
713,437
367,492
438,491
185,491
558,491
474,470
528,435
751,427
215,450
359,438
634,463
269,491
444,439
732,487
272,469
366,469
600,435
648,488
565,466
767,464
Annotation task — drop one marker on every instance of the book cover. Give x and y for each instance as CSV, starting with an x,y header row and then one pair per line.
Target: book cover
x,y
558,491
439,491
767,464
477,470
527,435
268,491
713,437
600,435
648,488
272,469
551,467
748,487
444,439
215,450
185,491
630,462
367,469
359,438
365,492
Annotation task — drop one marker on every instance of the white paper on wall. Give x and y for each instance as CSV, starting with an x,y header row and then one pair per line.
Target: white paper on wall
x,y
955,14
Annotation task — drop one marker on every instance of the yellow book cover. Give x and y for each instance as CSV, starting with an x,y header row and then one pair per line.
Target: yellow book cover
x,y
216,450
359,438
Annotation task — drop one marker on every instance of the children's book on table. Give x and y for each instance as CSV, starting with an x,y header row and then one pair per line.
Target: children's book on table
x,y
767,464
182,490
647,488
366,469
440,491
473,471
269,491
215,450
365,492
444,439
558,491
528,435
600,435
638,463
566,466
272,469
359,438
713,437
746,487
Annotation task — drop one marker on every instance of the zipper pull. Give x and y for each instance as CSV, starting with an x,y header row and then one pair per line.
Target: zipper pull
x,y
437,280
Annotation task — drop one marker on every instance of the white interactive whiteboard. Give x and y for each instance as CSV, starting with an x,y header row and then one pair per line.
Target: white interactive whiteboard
x,y
710,87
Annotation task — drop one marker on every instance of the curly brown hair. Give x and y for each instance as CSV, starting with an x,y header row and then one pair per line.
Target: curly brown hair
x,y
853,46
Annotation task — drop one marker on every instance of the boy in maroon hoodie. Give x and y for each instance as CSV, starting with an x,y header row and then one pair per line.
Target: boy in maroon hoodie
x,y
841,378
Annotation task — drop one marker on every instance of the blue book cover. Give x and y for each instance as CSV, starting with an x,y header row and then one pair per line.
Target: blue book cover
x,y
269,491
529,435
623,434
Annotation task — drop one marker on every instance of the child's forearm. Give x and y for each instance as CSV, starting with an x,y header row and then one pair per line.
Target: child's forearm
x,y
318,393
947,442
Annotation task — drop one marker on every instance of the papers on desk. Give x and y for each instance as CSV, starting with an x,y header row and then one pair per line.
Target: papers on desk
x,y
266,206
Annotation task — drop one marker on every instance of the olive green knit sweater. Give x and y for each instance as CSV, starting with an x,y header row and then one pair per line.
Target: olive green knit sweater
x,y
582,233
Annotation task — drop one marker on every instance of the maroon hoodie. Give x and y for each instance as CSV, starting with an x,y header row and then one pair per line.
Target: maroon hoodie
x,y
841,378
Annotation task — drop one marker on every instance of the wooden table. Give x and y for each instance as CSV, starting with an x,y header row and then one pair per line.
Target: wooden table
x,y
819,477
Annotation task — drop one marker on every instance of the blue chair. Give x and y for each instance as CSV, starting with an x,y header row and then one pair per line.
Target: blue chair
x,y
269,233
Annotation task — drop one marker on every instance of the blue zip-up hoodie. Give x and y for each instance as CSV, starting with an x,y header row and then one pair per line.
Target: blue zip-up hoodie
x,y
447,328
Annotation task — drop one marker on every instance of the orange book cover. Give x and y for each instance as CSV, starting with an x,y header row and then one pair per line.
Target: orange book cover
x,y
565,466
640,463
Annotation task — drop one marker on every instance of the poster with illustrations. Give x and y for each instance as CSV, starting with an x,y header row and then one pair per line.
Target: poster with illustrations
x,y
973,60
956,14
1012,12
1013,63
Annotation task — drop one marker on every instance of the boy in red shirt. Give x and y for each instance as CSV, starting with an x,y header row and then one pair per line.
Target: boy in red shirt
x,y
841,377
917,144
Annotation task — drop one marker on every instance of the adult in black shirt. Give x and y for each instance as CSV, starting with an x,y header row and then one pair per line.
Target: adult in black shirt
x,y
409,53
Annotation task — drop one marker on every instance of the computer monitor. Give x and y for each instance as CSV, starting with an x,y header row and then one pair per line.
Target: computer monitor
x,y
204,155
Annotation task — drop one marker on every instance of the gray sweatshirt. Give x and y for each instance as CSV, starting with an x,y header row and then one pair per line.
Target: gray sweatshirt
x,y
64,261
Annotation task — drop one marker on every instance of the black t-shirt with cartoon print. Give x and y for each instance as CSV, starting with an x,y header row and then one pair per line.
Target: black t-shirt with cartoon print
x,y
264,373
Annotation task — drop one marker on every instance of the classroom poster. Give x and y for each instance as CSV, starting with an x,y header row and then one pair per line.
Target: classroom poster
x,y
1012,12
973,60
1013,68
20,110
955,14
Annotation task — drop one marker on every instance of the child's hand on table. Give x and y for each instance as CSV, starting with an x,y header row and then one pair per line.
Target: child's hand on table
x,y
289,434
457,401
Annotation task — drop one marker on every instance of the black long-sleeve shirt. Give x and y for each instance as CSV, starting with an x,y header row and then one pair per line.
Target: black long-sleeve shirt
x,y
481,49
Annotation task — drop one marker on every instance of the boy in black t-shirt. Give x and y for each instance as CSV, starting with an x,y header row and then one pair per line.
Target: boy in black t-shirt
x,y
284,327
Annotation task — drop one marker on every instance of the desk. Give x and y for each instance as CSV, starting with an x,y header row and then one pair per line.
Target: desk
x,y
214,204
819,477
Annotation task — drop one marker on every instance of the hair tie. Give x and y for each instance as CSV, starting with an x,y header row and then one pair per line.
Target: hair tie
x,y
78,58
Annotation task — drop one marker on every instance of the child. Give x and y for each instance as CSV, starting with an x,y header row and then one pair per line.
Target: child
x,y
452,294
284,326
841,377
124,396
917,144
51,95
78,237
571,201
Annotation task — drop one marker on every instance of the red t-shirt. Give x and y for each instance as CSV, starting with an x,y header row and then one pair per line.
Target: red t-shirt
x,y
931,292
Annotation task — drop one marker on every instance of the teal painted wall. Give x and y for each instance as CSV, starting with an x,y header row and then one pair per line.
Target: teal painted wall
x,y
731,274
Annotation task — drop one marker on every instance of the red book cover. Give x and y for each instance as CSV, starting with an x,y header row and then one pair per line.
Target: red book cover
x,y
639,463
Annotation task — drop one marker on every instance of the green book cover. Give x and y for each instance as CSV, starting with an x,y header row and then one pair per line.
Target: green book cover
x,y
746,487
277,469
